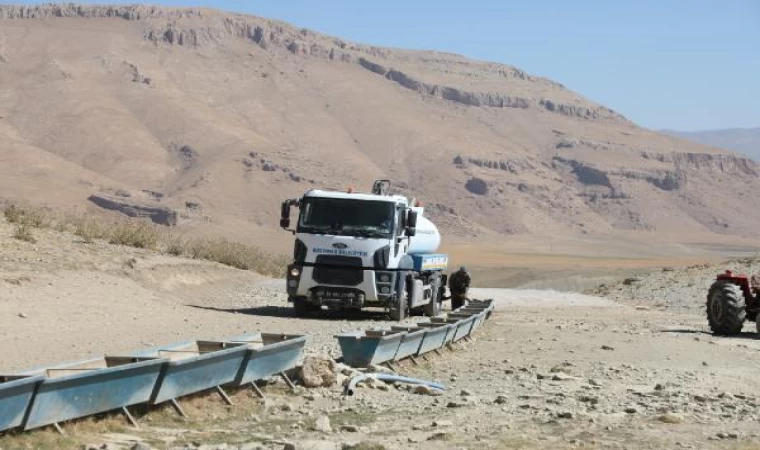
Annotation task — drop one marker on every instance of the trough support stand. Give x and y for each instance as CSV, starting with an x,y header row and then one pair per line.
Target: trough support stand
x,y
58,428
130,418
178,408
425,358
414,360
256,390
287,381
224,395
438,352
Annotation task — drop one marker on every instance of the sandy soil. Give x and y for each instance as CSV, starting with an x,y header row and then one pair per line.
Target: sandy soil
x,y
549,370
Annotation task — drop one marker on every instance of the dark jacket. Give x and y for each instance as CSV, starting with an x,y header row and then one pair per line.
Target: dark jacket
x,y
459,282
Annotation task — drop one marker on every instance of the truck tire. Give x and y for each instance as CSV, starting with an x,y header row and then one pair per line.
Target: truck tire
x,y
726,308
300,307
399,310
433,308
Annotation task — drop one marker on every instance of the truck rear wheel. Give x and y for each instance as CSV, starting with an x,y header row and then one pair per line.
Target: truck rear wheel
x,y
726,308
433,308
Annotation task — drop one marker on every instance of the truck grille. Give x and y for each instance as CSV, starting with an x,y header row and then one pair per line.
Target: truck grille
x,y
339,270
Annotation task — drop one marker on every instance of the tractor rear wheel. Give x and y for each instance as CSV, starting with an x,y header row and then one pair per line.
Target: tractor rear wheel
x,y
726,308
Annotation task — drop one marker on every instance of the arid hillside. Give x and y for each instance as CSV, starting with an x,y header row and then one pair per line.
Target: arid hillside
x,y
743,140
208,120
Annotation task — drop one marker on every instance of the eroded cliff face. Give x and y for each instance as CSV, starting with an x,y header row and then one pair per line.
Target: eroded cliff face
x,y
235,113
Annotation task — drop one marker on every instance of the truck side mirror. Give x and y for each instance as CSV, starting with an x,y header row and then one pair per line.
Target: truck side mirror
x,y
411,223
285,214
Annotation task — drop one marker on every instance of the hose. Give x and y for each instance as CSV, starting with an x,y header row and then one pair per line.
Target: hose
x,y
349,390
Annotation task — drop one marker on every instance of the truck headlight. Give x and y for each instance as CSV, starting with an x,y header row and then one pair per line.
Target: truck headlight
x,y
294,272
385,278
385,290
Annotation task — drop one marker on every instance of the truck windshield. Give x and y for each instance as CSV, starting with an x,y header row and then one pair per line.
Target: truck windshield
x,y
346,217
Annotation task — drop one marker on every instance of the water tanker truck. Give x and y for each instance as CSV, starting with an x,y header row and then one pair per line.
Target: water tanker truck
x,y
359,250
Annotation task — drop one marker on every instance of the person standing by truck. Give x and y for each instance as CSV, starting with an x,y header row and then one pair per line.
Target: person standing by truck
x,y
459,284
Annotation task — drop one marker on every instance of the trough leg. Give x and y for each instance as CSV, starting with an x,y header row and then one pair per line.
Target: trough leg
x,y
438,352
58,428
129,417
287,381
178,408
425,358
390,366
414,360
224,395
256,389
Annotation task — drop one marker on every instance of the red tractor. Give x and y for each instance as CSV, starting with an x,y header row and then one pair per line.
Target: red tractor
x,y
732,300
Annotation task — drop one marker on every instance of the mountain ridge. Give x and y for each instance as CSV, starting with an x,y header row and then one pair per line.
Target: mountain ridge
x,y
220,116
742,140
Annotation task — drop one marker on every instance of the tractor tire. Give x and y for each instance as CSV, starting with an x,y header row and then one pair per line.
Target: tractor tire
x,y
399,310
726,311
433,308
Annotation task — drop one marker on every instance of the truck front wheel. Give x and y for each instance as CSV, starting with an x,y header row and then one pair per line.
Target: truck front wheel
x,y
301,307
399,310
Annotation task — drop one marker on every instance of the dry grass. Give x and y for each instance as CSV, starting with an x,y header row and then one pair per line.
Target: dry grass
x,y
88,229
138,235
26,215
174,245
23,232
144,235
238,255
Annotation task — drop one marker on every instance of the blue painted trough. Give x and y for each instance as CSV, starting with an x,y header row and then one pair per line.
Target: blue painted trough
x,y
16,394
268,355
194,367
365,348
462,327
73,390
465,328
435,336
410,342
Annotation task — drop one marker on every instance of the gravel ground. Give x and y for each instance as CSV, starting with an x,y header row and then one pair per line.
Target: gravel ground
x,y
682,289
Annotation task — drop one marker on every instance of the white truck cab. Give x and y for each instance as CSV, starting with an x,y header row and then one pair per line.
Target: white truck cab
x,y
357,250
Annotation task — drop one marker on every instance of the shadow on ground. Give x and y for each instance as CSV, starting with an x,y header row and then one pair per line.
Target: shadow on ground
x,y
287,312
686,330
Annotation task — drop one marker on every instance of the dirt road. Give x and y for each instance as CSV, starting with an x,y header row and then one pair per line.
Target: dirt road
x,y
549,370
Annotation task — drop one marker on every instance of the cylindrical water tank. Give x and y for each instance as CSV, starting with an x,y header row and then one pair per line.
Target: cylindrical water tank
x,y
427,238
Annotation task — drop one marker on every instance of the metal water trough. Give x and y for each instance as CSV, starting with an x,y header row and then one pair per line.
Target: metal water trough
x,y
435,336
368,347
476,319
463,326
16,394
194,367
73,390
268,355
410,343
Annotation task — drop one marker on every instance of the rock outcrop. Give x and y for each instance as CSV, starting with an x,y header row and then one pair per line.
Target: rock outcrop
x,y
477,186
163,27
128,206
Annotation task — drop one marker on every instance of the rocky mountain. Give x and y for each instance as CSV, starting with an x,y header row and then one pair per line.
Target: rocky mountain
x,y
219,116
742,140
